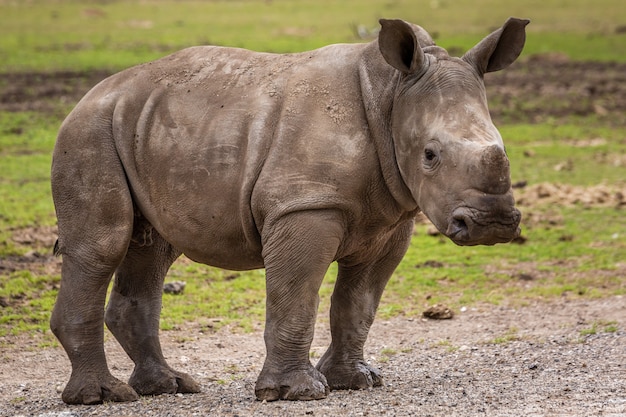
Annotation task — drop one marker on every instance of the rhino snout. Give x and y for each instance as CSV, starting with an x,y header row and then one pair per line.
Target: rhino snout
x,y
469,227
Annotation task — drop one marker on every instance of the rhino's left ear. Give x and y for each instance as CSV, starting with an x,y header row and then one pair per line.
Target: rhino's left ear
x,y
500,48
399,46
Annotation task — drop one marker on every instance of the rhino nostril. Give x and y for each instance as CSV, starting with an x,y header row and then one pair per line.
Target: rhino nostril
x,y
460,224
458,227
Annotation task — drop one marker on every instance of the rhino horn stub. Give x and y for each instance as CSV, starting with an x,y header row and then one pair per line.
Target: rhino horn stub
x,y
400,47
499,49
495,178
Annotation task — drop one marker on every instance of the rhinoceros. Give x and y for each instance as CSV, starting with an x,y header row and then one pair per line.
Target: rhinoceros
x,y
288,162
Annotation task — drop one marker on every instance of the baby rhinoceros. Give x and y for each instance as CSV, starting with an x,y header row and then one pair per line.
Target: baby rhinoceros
x,y
245,160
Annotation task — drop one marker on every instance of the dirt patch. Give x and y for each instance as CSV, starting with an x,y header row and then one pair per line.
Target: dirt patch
x,y
36,236
46,92
532,90
549,87
39,259
569,195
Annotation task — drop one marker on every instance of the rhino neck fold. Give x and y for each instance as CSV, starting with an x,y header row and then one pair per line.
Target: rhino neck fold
x,y
378,83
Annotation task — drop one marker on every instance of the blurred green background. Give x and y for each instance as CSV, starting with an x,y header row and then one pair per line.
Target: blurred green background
x,y
48,34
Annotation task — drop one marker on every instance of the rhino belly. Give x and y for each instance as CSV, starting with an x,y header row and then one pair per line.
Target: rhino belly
x,y
191,170
201,213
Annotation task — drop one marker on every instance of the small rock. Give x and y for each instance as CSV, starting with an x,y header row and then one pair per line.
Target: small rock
x,y
519,240
525,277
564,166
174,287
433,231
430,264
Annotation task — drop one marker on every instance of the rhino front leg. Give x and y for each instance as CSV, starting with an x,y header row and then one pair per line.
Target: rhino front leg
x,y
297,252
133,314
353,306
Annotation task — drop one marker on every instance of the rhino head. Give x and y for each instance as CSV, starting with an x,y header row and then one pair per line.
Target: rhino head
x,y
449,153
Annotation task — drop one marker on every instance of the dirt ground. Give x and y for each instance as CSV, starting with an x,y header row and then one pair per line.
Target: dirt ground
x,y
565,358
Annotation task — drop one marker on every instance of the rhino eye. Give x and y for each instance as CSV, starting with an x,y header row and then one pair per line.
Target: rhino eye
x,y
431,156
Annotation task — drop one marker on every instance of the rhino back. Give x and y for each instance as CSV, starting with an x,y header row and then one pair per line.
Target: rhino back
x,y
216,142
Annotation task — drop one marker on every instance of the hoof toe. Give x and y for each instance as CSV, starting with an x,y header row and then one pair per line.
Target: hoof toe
x,y
98,391
354,376
186,384
297,385
162,380
266,394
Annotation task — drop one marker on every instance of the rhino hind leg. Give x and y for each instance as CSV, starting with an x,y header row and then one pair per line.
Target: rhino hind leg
x,y
95,225
134,308
77,321
353,306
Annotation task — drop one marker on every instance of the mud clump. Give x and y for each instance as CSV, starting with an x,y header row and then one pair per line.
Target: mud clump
x,y
569,195
438,312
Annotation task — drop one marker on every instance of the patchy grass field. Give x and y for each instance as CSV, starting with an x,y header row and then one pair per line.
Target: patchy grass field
x,y
564,124
41,35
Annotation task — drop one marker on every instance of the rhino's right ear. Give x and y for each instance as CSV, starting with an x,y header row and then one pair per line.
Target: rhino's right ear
x,y
399,46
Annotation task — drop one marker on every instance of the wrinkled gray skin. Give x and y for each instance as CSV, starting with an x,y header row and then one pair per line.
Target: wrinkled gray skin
x,y
246,160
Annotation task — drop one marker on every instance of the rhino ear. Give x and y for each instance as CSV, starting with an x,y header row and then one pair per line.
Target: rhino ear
x,y
399,46
500,49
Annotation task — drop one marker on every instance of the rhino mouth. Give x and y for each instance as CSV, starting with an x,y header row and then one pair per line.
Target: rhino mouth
x,y
470,227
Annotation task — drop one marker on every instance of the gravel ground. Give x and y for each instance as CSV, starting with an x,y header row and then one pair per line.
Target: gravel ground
x,y
559,359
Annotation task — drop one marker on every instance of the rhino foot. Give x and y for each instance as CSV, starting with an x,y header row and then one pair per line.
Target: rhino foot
x,y
162,380
296,385
97,390
357,375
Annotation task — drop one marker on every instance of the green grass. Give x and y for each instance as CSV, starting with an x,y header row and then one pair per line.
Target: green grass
x,y
599,327
471,275
26,141
32,298
587,152
47,35
509,336
576,257
224,297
